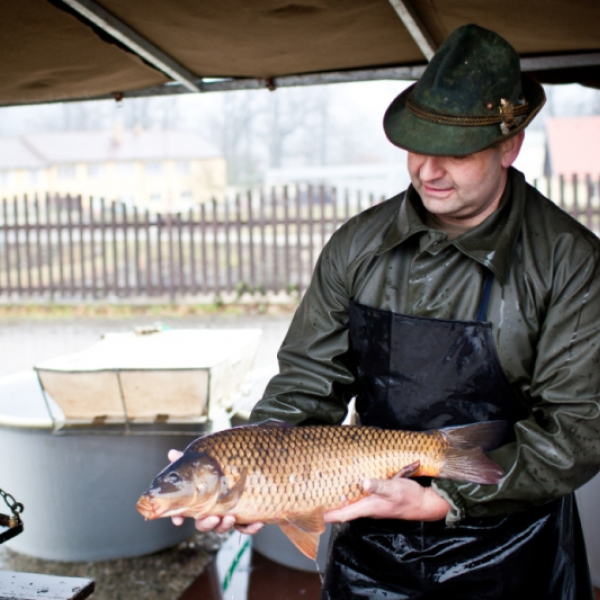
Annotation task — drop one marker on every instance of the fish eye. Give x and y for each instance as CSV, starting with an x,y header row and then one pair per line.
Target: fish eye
x,y
173,478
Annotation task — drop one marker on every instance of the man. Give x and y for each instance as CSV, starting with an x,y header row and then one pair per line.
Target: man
x,y
468,298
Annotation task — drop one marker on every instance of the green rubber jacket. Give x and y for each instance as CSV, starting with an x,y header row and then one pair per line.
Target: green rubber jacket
x,y
545,315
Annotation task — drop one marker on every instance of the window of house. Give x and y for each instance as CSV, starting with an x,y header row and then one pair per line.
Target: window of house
x,y
125,169
35,176
66,171
5,179
96,170
183,167
155,198
153,168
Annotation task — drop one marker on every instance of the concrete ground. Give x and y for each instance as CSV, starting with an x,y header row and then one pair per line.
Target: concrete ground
x,y
166,575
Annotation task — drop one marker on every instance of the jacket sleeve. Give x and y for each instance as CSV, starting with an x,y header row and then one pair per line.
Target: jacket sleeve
x,y
314,384
557,448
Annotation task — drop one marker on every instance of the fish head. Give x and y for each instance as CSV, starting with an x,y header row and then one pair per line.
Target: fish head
x,y
188,487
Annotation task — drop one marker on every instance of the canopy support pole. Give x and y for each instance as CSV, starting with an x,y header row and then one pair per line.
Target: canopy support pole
x,y
415,27
145,49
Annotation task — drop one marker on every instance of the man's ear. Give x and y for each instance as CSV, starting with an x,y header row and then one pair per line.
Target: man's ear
x,y
509,150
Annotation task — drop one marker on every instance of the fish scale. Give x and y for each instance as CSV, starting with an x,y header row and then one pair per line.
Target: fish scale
x,y
327,468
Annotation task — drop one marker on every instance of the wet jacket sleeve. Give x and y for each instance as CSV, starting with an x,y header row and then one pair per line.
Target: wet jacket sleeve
x,y
314,385
557,448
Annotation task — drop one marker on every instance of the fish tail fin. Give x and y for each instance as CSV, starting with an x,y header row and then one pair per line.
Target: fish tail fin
x,y
487,435
470,465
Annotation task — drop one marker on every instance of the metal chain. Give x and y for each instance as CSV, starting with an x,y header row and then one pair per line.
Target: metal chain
x,y
11,502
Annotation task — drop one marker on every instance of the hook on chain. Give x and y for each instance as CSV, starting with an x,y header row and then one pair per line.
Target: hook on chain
x,y
15,507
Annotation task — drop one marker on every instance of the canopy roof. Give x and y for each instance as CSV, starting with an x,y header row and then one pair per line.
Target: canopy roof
x,y
58,50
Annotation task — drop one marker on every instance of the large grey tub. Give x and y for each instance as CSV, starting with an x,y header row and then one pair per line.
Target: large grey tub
x,y
79,491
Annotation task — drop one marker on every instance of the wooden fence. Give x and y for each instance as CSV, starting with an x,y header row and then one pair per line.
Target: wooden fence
x,y
261,242
257,242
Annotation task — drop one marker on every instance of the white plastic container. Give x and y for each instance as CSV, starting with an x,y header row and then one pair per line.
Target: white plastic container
x,y
174,375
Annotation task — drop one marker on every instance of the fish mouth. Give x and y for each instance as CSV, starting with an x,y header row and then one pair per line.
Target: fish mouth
x,y
152,507
149,507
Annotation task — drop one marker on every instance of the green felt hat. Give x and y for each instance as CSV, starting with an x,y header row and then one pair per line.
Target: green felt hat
x,y
471,96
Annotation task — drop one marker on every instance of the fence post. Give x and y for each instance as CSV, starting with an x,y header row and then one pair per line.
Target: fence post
x,y
124,227
299,237
215,232
263,243
148,234
193,282
589,188
251,242
275,224
38,241
6,246
82,285
286,213
227,226
575,208
238,202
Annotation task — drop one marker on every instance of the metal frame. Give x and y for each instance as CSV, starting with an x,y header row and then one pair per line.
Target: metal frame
x,y
141,46
415,27
405,73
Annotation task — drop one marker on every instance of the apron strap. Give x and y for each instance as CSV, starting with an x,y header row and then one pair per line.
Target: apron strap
x,y
485,297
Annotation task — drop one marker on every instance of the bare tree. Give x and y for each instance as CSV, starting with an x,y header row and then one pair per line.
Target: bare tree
x,y
235,128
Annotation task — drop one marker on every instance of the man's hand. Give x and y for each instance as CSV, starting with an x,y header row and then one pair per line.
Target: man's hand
x,y
214,522
396,498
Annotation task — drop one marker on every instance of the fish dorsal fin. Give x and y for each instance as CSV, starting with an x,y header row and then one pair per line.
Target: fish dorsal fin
x,y
488,435
229,497
304,531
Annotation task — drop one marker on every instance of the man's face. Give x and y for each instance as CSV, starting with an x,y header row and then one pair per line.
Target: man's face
x,y
463,190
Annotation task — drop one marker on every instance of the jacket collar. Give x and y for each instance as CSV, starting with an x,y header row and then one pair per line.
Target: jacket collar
x,y
491,243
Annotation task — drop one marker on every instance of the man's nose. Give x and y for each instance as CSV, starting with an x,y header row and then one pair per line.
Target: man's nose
x,y
431,168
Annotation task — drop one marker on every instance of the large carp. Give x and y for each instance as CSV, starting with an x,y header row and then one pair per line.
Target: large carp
x,y
289,476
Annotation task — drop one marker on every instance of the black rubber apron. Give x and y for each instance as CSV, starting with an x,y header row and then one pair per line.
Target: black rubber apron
x,y
419,373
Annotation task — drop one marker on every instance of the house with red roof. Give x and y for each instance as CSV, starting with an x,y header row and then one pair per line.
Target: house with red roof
x,y
573,147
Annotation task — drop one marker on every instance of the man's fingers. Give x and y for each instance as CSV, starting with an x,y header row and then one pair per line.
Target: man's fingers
x,y
177,520
375,486
250,529
207,523
174,455
227,523
359,509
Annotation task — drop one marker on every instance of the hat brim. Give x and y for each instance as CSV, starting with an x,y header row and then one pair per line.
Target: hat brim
x,y
414,134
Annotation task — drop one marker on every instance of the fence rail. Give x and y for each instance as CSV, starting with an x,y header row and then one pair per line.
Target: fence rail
x,y
258,242
261,241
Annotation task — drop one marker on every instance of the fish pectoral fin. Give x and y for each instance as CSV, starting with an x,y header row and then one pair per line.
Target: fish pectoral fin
x,y
313,522
307,543
409,470
229,498
304,531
